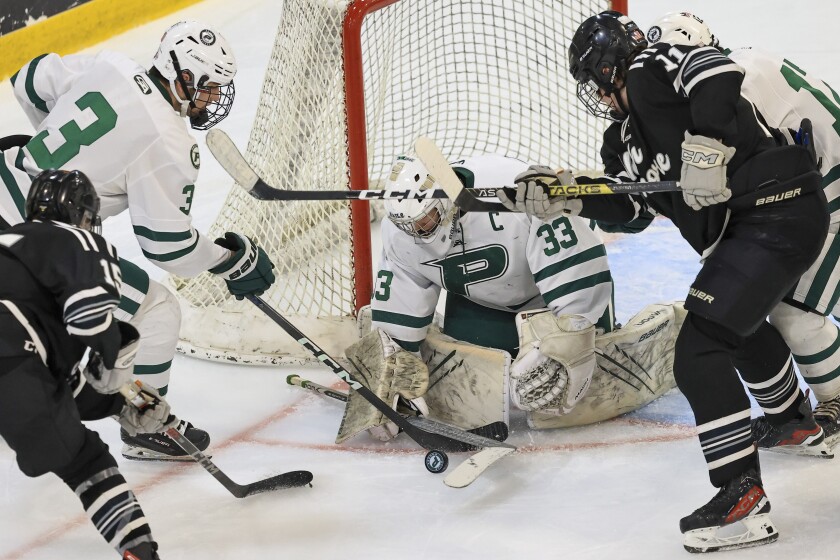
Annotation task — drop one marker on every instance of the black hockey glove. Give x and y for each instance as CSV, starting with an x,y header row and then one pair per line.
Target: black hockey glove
x,y
248,271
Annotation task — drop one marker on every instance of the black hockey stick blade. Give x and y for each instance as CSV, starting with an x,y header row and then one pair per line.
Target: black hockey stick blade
x,y
136,397
452,439
289,479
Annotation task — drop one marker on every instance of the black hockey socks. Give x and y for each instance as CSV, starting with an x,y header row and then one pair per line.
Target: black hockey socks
x,y
704,371
107,499
765,364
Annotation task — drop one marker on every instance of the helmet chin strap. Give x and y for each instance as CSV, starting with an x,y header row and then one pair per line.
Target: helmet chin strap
x,y
186,104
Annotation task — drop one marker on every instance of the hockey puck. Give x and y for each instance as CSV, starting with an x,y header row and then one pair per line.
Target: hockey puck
x,y
436,461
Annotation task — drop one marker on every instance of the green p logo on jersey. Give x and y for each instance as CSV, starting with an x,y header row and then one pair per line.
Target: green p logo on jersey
x,y
459,271
195,158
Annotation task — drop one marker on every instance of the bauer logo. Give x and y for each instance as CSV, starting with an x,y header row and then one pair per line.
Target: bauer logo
x,y
778,197
141,83
702,296
195,157
207,37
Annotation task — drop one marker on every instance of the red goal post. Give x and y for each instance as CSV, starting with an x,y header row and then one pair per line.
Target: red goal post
x,y
349,86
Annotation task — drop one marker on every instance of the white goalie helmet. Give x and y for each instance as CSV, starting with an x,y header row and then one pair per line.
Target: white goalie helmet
x,y
681,28
201,52
420,219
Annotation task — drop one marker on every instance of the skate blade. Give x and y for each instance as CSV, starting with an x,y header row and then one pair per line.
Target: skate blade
x,y
138,454
832,441
751,531
821,451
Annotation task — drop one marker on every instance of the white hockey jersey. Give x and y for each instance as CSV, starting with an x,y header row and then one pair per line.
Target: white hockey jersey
x,y
106,117
500,260
785,95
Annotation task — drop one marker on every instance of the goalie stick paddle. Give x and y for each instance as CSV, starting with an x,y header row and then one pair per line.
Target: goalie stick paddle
x,y
494,430
289,479
467,472
454,440
234,163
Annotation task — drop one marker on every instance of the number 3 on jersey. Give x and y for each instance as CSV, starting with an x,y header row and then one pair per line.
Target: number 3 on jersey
x,y
74,136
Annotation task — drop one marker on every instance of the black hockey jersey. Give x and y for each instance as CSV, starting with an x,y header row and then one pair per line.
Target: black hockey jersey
x,y
673,89
64,283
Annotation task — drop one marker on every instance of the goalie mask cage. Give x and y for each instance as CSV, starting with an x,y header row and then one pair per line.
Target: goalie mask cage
x,y
349,86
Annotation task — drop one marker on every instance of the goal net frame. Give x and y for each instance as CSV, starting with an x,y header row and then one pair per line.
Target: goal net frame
x,y
338,270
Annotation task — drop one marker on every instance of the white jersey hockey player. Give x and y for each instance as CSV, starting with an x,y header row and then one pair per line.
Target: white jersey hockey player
x,y
540,291
784,94
124,127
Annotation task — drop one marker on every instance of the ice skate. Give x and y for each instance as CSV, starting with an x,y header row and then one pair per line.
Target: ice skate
x,y
143,551
160,447
827,415
737,517
800,436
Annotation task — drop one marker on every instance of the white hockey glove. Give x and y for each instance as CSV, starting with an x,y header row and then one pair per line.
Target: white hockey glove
x,y
109,380
391,373
145,411
703,175
555,363
249,270
532,199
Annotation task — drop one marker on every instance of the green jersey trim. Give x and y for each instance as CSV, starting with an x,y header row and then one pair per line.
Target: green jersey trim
x,y
174,255
556,268
162,236
12,186
577,285
403,320
30,85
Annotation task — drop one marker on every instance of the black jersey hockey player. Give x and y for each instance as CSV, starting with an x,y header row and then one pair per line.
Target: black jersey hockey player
x,y
753,209
61,284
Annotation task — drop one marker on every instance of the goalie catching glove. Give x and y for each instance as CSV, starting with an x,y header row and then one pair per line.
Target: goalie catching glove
x,y
555,363
145,410
107,379
249,270
391,373
532,198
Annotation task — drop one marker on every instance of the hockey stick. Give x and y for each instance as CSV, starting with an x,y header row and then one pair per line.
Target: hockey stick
x,y
429,434
494,430
295,379
231,159
289,479
439,168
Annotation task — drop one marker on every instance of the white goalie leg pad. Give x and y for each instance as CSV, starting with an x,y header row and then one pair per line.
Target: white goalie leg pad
x,y
389,372
555,363
467,383
811,337
635,366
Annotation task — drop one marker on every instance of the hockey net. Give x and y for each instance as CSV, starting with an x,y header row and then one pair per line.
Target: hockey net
x,y
350,85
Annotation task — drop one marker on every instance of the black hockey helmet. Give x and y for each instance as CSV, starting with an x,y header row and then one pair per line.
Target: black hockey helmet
x,y
64,196
599,55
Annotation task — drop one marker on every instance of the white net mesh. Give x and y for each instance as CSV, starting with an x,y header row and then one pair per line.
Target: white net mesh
x,y
477,76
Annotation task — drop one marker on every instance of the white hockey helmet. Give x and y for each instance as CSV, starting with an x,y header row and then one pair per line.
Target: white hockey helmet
x,y
420,219
681,28
201,52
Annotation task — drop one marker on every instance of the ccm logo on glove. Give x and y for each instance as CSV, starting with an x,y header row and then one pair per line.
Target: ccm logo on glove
x,y
701,159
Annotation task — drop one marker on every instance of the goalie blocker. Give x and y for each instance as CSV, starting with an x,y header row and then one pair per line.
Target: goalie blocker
x,y
468,385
